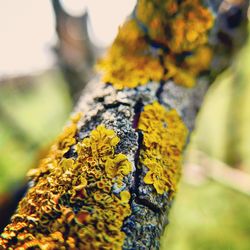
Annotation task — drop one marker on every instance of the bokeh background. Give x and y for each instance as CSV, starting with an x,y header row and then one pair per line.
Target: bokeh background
x,y
47,52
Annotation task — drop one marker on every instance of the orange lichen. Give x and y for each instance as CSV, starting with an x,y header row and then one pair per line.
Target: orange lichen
x,y
72,205
176,33
180,27
164,136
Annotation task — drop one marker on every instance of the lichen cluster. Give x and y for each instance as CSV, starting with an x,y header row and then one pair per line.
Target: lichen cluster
x,y
184,27
129,61
165,40
164,136
78,200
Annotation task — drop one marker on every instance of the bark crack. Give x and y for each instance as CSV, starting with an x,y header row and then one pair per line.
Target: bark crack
x,y
159,91
115,105
138,169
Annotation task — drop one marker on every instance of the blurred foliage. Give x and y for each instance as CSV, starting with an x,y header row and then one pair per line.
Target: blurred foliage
x,y
205,218
37,109
224,121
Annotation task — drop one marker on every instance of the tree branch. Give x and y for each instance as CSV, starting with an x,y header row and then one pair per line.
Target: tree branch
x,y
110,178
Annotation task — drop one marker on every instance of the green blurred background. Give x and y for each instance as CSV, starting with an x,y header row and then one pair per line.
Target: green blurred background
x,y
207,214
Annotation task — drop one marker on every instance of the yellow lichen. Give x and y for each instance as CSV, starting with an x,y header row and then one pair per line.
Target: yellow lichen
x,y
164,136
72,205
180,27
118,165
172,47
128,63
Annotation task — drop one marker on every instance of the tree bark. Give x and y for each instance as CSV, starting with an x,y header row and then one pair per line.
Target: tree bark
x,y
75,52
110,178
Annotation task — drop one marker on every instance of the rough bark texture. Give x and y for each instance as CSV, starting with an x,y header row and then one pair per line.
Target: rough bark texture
x,y
111,177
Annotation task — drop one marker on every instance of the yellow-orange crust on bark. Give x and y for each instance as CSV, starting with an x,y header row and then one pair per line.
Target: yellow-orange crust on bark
x,y
72,205
164,137
174,45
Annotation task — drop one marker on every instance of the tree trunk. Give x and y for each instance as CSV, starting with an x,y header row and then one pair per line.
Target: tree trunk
x,y
109,180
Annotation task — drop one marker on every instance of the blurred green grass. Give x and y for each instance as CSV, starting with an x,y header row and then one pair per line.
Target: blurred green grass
x,y
208,217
